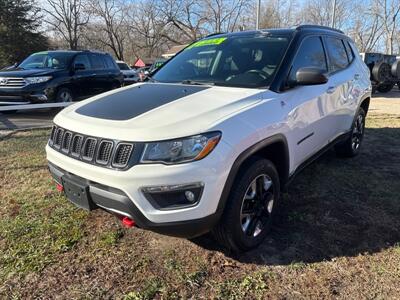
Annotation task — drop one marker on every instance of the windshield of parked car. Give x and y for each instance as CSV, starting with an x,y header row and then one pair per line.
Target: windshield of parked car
x,y
47,60
238,61
123,66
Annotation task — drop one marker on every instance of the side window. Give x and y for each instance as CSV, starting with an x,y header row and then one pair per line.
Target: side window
x,y
97,62
82,59
108,61
310,54
349,51
337,54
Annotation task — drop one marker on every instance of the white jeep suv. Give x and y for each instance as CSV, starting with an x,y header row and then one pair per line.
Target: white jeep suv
x,y
210,140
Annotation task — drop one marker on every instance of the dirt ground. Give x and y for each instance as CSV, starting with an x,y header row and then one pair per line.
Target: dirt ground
x,y
337,236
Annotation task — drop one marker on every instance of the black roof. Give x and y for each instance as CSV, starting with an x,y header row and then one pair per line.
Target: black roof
x,y
281,31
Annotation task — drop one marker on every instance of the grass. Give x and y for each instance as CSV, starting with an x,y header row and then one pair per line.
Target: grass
x,y
338,236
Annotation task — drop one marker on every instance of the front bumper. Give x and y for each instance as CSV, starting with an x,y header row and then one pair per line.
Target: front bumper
x,y
33,93
117,202
127,197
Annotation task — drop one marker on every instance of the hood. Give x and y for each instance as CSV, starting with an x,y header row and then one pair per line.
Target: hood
x,y
128,72
156,111
26,73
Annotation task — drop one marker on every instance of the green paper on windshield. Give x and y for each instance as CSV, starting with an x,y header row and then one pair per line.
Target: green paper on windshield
x,y
207,42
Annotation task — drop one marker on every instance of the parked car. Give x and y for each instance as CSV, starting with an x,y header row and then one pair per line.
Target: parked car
x,y
130,76
59,76
143,72
157,64
209,142
384,69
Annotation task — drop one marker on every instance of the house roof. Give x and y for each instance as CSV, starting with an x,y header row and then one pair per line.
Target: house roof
x,y
174,50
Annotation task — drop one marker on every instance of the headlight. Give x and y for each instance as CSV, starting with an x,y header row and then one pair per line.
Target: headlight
x,y
39,79
181,150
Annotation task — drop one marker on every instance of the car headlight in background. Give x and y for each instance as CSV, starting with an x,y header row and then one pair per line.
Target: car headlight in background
x,y
181,150
39,79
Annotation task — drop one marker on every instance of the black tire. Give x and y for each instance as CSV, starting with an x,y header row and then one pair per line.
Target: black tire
x,y
352,145
385,88
239,229
64,95
381,71
395,69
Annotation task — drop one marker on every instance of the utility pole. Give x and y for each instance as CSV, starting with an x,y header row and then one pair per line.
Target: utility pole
x,y
333,14
258,14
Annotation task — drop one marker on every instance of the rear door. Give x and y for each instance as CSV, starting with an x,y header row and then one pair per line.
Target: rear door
x,y
82,78
100,82
342,77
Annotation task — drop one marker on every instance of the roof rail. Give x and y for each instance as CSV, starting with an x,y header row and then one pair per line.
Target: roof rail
x,y
310,26
215,33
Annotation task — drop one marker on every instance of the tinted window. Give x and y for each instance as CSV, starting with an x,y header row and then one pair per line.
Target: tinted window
x,y
310,54
82,59
47,60
97,62
122,66
337,54
241,61
349,51
109,62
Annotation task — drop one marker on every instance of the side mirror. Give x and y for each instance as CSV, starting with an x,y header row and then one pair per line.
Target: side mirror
x,y
79,66
311,76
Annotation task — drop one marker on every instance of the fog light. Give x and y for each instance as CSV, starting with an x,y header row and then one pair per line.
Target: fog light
x,y
174,196
190,196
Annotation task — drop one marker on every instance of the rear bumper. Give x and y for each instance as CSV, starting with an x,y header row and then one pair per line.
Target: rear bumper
x,y
117,202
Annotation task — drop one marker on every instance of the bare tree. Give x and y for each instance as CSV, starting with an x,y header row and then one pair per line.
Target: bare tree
x,y
185,20
320,12
388,12
224,15
279,13
67,18
112,23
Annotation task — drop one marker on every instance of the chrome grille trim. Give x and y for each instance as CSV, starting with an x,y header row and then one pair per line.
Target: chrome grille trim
x,y
11,82
122,154
66,142
104,152
89,148
76,145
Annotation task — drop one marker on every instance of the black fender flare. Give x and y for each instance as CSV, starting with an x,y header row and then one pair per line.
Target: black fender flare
x,y
277,138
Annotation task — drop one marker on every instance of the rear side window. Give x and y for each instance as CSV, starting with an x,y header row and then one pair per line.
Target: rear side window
x,y
97,62
349,51
311,54
337,54
109,62
82,59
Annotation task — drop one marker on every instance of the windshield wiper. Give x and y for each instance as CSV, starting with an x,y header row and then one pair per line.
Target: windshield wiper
x,y
193,82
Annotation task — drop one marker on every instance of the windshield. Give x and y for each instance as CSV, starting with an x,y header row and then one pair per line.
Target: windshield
x,y
123,66
47,60
239,61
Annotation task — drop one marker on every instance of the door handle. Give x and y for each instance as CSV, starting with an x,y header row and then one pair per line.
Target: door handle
x,y
356,76
331,89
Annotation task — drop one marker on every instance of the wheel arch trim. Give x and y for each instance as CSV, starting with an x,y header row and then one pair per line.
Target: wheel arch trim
x,y
242,158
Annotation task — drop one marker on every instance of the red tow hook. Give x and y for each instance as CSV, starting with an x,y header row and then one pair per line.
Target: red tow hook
x,y
128,222
59,187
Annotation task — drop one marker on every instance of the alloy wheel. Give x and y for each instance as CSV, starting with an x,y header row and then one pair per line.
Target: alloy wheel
x,y
358,131
257,205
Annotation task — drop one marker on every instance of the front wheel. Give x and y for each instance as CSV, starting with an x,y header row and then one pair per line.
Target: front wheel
x,y
351,146
251,207
64,95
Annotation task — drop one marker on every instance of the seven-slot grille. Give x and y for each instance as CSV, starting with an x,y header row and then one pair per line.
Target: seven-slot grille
x,y
91,149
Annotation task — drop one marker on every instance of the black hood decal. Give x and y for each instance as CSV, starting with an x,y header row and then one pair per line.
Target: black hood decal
x,y
130,103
